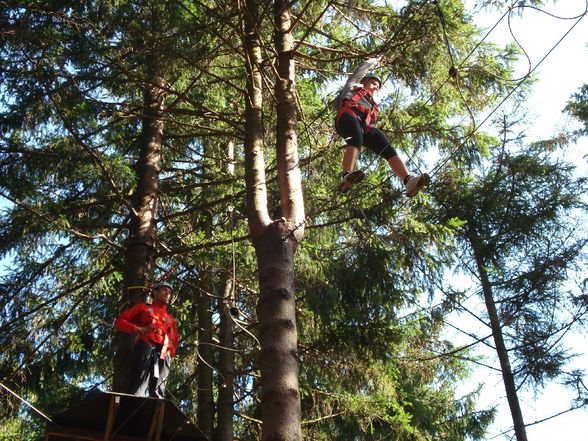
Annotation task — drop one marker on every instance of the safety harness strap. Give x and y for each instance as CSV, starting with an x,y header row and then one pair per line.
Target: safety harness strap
x,y
355,105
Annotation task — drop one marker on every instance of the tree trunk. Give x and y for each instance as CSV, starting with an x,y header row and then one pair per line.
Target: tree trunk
x,y
291,200
226,367
256,189
226,363
205,412
142,227
507,375
278,358
275,242
205,416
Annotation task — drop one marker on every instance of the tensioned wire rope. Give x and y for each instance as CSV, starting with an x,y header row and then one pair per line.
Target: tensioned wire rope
x,y
524,78
403,25
21,319
333,136
121,425
519,83
376,157
63,294
532,69
449,51
454,71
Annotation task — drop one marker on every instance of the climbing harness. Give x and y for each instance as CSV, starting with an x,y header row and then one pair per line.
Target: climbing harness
x,y
361,105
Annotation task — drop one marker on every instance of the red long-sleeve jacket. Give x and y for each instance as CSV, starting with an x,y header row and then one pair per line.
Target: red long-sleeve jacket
x,y
162,325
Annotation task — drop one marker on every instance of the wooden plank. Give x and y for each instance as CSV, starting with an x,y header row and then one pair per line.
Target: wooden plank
x,y
111,416
160,421
112,409
154,433
54,433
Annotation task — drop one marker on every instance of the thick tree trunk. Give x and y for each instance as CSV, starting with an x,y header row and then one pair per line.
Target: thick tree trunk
x,y
256,189
291,200
502,352
278,359
275,242
142,227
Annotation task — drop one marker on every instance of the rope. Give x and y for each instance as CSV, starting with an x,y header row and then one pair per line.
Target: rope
x,y
443,26
402,26
435,170
453,74
26,403
520,82
164,277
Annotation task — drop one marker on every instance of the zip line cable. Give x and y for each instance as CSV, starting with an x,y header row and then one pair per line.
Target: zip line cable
x,y
510,11
443,26
376,157
37,411
403,25
397,31
435,170
521,81
26,403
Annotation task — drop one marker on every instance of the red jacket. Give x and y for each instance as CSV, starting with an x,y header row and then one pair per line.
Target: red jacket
x,y
163,326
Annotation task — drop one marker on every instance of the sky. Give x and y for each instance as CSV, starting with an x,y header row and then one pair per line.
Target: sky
x,y
560,71
560,75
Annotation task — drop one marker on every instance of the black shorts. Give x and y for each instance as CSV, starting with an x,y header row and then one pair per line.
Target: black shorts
x,y
350,128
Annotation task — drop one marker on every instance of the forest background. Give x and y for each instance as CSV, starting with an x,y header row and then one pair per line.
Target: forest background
x,y
130,132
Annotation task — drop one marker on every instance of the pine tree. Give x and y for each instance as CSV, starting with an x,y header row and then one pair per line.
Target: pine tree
x,y
521,242
577,106
81,77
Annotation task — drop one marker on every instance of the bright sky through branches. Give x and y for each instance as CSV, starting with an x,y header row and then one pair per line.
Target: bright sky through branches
x,y
554,39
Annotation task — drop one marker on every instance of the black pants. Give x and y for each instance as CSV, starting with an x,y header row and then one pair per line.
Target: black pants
x,y
148,372
350,128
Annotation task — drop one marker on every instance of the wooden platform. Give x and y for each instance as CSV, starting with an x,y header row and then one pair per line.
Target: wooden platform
x,y
110,416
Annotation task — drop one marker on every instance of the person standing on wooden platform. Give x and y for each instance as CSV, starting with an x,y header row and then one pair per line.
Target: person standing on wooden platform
x,y
156,343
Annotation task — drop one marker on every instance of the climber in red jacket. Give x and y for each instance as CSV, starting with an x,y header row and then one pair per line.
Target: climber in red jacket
x,y
156,345
357,111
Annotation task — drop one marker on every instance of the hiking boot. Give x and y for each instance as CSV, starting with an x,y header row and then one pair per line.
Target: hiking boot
x,y
413,184
350,178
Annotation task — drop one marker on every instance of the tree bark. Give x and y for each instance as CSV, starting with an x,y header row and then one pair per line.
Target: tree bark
x,y
256,189
291,200
225,412
205,415
143,223
142,227
502,352
205,409
275,242
226,363
278,358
